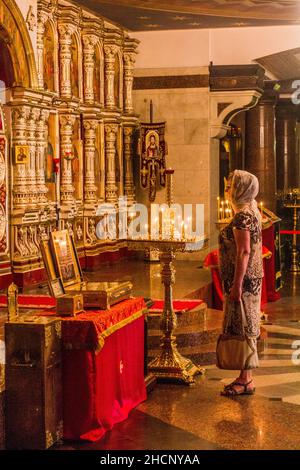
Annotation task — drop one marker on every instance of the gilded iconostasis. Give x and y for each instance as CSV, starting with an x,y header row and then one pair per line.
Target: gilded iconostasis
x,y
67,110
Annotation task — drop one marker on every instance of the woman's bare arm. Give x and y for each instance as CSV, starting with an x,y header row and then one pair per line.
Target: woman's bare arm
x,y
242,240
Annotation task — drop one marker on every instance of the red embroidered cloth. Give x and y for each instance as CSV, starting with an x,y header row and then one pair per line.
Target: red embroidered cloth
x,y
88,330
99,390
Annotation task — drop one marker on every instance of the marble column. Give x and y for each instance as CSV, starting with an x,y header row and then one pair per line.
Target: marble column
x,y
129,60
287,160
65,58
19,137
90,188
260,149
109,60
66,154
89,43
42,18
111,189
41,148
129,183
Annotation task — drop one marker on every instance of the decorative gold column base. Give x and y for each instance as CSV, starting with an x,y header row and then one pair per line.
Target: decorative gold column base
x,y
295,267
170,366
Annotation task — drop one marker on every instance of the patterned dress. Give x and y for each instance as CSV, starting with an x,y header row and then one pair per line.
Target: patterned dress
x,y
246,219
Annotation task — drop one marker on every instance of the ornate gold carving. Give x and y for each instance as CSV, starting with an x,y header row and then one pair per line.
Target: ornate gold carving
x,y
31,18
65,41
111,189
48,334
12,302
90,188
66,132
110,52
89,43
129,183
49,439
58,329
129,60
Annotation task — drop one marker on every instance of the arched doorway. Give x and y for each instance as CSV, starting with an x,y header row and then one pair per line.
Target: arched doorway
x,y
17,72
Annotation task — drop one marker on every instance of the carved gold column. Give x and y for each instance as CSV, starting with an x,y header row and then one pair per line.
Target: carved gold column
x,y
109,60
31,182
89,153
41,146
42,18
89,43
19,137
129,60
111,190
65,57
66,151
129,184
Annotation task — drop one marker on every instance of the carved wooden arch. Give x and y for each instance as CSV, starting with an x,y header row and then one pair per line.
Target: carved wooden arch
x,y
18,41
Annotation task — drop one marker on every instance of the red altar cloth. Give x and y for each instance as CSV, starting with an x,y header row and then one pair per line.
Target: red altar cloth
x,y
212,261
99,390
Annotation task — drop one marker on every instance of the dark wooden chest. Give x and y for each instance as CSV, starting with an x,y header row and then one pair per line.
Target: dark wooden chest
x,y
33,383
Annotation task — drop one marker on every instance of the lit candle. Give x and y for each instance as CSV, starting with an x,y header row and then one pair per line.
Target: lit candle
x,y
261,208
182,230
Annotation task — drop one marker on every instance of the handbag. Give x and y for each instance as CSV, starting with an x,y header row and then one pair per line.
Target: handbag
x,y
237,352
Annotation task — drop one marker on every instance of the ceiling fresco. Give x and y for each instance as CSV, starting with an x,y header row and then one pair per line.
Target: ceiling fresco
x,y
150,15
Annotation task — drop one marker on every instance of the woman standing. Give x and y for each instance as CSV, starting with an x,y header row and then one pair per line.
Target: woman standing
x,y
242,270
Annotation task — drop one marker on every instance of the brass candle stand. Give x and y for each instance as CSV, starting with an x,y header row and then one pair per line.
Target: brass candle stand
x,y
169,364
291,200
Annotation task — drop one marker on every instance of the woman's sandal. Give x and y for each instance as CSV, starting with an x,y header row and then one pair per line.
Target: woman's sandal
x,y
230,391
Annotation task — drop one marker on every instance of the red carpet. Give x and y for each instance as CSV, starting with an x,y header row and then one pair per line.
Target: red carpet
x,y
31,301
178,305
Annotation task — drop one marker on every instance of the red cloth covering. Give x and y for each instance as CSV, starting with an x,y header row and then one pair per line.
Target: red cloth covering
x,y
178,305
88,330
269,265
31,301
212,261
99,390
289,232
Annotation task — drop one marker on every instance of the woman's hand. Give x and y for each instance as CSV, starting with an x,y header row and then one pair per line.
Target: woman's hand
x,y
235,294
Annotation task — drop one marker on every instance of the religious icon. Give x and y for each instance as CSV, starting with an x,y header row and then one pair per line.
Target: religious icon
x,y
21,154
49,165
65,258
48,61
152,157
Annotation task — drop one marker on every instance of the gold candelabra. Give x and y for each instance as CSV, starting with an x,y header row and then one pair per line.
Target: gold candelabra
x,y
169,364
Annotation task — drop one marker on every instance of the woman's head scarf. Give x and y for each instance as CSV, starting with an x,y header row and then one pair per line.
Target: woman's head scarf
x,y
244,189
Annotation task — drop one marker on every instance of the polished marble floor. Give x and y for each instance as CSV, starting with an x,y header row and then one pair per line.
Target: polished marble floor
x,y
197,417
